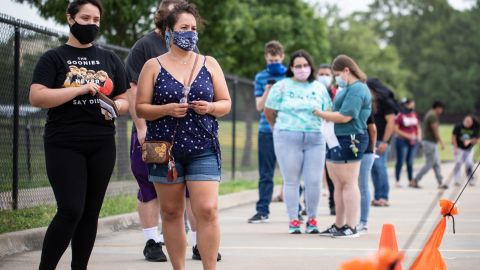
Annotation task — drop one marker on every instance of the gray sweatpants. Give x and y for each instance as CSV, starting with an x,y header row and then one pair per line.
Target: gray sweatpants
x,y
463,157
432,160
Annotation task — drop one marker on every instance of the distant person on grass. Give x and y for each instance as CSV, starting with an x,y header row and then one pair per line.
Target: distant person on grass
x,y
464,137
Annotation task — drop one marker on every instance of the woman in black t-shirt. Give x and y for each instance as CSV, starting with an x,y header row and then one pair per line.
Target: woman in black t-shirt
x,y
464,136
79,134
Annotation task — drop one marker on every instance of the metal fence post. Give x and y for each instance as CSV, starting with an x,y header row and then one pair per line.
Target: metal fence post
x,y
234,122
16,112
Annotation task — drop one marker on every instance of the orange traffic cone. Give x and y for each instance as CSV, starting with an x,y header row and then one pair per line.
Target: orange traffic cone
x,y
388,241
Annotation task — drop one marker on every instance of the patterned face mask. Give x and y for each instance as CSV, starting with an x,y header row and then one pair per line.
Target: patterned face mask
x,y
185,40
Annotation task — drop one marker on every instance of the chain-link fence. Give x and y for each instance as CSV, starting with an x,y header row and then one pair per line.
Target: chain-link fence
x,y
23,178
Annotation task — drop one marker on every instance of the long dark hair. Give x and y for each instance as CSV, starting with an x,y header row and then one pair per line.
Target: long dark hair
x,y
75,6
306,55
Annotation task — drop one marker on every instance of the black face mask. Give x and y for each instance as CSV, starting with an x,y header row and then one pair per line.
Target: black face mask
x,y
84,33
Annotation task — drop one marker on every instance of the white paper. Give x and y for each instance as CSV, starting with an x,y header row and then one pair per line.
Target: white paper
x,y
328,132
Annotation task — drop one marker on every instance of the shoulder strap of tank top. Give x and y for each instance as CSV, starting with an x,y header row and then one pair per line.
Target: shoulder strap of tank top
x,y
159,62
204,60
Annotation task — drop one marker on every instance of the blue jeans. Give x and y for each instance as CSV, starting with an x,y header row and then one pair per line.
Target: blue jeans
x,y
380,176
403,148
300,154
363,183
266,168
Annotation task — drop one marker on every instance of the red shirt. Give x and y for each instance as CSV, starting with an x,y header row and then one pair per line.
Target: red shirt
x,y
408,123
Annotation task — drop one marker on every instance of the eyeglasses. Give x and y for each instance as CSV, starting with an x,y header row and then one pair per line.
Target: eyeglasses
x,y
301,66
185,92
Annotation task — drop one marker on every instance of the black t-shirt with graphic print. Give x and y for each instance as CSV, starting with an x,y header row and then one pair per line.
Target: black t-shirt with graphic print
x,y
462,134
81,118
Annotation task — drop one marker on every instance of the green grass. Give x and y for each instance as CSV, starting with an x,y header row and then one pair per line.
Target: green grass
x,y
40,216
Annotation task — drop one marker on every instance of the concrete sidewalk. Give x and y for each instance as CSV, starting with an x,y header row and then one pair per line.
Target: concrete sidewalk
x,y
269,246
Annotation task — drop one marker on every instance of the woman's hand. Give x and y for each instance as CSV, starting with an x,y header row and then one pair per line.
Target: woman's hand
x,y
178,110
317,112
89,88
202,107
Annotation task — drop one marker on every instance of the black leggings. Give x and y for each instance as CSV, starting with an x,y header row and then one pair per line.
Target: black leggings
x,y
79,173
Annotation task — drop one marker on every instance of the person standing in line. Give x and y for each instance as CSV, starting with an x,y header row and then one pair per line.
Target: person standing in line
x,y
385,123
407,129
325,76
431,138
275,71
366,171
298,142
79,136
351,108
148,46
180,95
464,137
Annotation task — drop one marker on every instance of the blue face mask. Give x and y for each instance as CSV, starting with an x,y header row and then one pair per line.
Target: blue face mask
x,y
325,80
185,40
341,82
276,69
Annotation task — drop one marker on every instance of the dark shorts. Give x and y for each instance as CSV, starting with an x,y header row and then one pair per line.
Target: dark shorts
x,y
343,152
146,190
201,167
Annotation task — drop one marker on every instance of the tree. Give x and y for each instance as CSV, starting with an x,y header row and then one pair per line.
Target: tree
x,y
439,46
123,21
355,36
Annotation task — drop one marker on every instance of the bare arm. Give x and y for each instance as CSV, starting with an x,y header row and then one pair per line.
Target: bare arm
x,y
43,97
222,103
372,132
435,128
139,123
335,117
402,133
144,107
271,116
122,103
260,101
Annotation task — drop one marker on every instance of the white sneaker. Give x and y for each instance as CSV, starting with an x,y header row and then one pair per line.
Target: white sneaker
x,y
398,185
362,228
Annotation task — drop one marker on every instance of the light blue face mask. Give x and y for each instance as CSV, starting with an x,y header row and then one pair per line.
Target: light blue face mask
x,y
341,82
325,80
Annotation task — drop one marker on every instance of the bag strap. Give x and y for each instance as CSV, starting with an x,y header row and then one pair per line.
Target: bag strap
x,y
188,85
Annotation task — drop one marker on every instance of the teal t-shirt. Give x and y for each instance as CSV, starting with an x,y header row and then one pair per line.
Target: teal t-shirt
x,y
354,101
295,102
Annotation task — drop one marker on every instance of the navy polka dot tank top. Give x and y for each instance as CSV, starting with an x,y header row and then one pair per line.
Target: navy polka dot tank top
x,y
195,133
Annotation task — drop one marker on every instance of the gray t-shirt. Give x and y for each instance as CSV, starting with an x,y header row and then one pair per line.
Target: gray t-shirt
x,y
149,46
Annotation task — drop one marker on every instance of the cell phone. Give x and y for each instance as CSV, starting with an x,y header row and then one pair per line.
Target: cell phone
x,y
271,81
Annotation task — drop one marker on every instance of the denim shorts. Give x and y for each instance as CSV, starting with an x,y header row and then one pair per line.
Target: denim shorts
x,y
200,167
343,153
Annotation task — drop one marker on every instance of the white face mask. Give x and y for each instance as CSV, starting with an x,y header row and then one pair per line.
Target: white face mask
x,y
325,80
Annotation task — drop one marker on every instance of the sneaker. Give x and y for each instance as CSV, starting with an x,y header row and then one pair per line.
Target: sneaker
x,y
398,185
196,254
311,226
330,231
300,218
443,186
346,232
258,218
414,184
294,227
153,252
362,228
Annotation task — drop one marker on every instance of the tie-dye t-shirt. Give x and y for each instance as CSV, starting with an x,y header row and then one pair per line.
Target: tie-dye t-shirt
x,y
295,102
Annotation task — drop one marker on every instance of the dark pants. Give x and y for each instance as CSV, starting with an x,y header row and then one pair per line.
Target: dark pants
x,y
266,167
405,152
79,173
331,190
